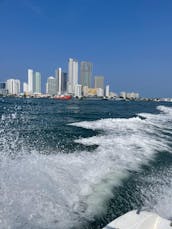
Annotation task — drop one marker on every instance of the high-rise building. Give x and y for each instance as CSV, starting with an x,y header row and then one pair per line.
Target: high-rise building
x,y
78,90
3,90
100,92
64,82
99,82
30,81
86,73
2,85
51,86
72,75
37,83
25,88
107,91
59,81
85,91
13,86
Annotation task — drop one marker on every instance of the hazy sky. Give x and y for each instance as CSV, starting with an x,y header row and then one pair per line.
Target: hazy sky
x,y
128,41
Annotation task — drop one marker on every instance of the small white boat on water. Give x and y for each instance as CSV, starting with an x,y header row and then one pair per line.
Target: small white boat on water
x,y
139,220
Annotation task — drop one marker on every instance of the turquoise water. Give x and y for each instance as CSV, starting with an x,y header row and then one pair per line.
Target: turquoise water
x,y
80,164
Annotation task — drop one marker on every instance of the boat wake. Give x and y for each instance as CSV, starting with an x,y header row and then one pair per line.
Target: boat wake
x,y
66,190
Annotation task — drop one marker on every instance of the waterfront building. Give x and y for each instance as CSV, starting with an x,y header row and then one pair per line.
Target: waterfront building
x,y
132,95
99,82
2,85
37,83
113,95
85,91
86,73
25,88
30,81
137,96
92,92
72,75
100,92
123,95
51,86
78,90
64,83
46,87
129,95
107,91
59,81
3,90
13,86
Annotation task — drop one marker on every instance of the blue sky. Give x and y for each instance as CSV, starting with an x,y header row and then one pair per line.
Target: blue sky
x,y
128,41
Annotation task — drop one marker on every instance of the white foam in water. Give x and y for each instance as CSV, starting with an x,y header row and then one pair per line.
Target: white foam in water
x,y
164,200
60,191
157,195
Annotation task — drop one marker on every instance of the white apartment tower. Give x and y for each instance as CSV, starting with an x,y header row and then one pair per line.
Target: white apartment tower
x,y
51,86
72,75
78,90
37,83
59,81
30,81
107,92
13,86
25,88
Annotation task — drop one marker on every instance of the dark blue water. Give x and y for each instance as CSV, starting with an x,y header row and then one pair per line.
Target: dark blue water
x,y
81,164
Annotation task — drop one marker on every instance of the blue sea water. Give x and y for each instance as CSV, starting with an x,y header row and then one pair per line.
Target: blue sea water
x,y
80,164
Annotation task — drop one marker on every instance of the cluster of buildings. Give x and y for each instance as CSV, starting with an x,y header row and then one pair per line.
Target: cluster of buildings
x,y
69,83
64,83
10,87
129,95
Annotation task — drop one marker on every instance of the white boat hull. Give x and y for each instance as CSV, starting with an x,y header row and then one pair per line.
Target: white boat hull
x,y
142,220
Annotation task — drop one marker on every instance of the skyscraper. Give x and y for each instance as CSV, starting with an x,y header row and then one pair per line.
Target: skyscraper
x,y
99,82
64,82
107,93
72,75
30,81
86,73
51,86
13,86
25,88
3,90
78,90
2,85
58,74
37,83
59,81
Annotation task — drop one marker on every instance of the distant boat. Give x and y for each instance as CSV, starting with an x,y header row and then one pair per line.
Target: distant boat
x,y
139,220
63,97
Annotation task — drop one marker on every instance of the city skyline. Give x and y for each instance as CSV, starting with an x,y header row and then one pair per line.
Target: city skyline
x,y
76,82
129,42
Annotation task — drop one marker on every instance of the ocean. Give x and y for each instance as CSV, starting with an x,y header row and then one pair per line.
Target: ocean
x,y
79,164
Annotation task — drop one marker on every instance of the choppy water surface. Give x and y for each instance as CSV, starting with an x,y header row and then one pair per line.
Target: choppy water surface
x,y
80,164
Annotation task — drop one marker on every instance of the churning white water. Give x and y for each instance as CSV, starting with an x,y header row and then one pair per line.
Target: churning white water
x,y
63,190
